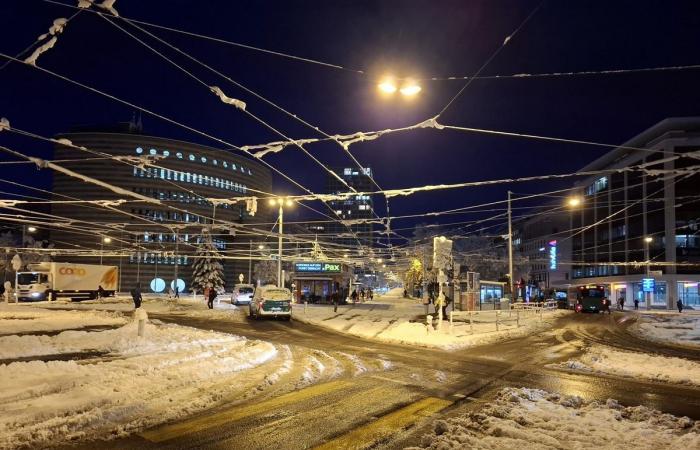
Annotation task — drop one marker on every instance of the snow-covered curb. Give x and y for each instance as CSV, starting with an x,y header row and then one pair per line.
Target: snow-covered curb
x,y
672,329
533,419
605,360
16,319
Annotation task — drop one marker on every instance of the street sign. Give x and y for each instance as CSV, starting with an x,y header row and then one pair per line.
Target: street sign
x,y
317,267
648,284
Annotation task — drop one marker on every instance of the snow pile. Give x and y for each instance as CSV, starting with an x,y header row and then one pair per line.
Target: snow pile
x,y
533,419
399,320
173,372
675,329
16,319
636,365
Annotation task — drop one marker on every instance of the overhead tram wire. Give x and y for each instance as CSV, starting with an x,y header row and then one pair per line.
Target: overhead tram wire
x,y
245,110
269,102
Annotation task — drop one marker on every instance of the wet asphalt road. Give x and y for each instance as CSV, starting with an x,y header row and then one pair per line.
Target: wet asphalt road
x,y
389,409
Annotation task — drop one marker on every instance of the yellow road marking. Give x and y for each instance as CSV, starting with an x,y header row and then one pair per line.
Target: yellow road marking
x,y
385,426
168,432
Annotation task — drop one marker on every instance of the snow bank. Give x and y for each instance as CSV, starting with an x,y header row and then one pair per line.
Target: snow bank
x,y
636,365
16,319
385,321
533,419
674,329
172,372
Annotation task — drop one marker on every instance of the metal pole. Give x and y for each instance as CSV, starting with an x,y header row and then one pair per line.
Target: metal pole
x,y
102,246
279,249
250,261
510,251
647,295
177,247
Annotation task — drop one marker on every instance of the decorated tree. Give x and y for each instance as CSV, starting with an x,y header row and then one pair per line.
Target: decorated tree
x,y
413,278
207,270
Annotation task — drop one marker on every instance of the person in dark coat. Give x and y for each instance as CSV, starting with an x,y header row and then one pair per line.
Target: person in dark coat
x,y
606,305
100,292
136,295
177,291
354,296
211,297
679,304
636,303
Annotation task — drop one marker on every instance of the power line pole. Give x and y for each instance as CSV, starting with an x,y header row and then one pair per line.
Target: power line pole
x,y
279,249
510,251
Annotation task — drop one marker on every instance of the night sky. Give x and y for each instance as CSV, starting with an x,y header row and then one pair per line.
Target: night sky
x,y
404,38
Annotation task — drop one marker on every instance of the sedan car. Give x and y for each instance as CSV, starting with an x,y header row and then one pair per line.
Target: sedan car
x,y
271,301
242,294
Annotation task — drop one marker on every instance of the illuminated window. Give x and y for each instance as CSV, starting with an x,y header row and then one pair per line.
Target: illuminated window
x,y
215,162
225,164
139,150
166,153
153,151
233,166
191,157
179,155
347,171
204,159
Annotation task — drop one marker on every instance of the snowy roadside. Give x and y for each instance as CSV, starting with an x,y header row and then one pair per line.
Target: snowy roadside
x,y
17,319
125,384
533,419
670,328
396,321
605,360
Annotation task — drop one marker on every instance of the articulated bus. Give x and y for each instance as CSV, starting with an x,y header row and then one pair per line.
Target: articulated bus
x,y
588,298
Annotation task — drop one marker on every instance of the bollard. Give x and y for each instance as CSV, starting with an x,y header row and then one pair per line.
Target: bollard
x,y
428,323
517,318
305,303
498,319
141,315
471,325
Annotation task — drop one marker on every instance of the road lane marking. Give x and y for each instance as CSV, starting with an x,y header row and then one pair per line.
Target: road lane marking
x,y
373,432
239,412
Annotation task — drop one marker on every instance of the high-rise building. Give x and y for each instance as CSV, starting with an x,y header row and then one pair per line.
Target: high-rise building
x,y
155,241
637,231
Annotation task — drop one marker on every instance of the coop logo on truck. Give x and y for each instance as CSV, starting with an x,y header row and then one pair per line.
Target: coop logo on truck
x,y
77,271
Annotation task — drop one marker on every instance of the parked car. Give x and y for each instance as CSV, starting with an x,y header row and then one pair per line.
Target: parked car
x,y
242,294
271,301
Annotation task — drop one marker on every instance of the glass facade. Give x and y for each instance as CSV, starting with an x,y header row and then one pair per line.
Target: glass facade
x,y
659,297
688,293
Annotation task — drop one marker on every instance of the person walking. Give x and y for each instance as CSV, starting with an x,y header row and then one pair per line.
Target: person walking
x,y
136,296
445,305
621,303
210,298
679,304
177,291
100,292
636,304
606,305
354,296
334,298
370,294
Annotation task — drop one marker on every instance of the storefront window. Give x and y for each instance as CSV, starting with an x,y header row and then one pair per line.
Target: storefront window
x,y
688,293
657,299
490,294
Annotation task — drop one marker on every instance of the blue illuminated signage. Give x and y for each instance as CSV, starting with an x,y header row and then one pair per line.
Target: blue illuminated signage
x,y
648,284
317,267
552,255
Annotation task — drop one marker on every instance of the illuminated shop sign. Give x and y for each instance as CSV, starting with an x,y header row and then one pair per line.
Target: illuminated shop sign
x,y
317,267
648,285
552,255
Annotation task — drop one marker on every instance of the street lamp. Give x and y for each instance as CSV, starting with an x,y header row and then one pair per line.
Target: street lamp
x,y
105,240
389,86
647,240
281,203
574,201
31,229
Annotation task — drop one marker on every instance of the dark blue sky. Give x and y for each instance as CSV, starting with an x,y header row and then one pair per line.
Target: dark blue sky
x,y
412,38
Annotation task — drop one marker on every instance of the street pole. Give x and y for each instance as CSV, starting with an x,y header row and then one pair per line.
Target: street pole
x,y
647,295
102,246
250,261
510,251
279,249
177,247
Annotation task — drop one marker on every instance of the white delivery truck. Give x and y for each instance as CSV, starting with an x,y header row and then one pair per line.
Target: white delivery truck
x,y
50,280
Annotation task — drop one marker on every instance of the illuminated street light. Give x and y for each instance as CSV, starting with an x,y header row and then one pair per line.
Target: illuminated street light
x,y
260,247
107,240
31,229
648,239
387,86
280,201
410,89
574,201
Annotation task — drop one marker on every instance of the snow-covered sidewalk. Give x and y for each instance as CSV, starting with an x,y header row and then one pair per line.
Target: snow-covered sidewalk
x,y
645,366
670,328
400,320
18,319
533,419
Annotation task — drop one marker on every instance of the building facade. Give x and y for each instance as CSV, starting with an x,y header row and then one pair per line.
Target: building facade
x,y
154,243
636,225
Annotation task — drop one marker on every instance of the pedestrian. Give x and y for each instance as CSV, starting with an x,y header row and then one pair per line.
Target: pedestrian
x,y
170,293
136,296
679,304
606,305
405,293
100,292
371,294
636,304
334,297
177,292
445,305
362,295
354,295
210,298
621,302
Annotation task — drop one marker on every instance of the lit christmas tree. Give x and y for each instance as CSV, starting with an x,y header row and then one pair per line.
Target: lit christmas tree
x,y
207,270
